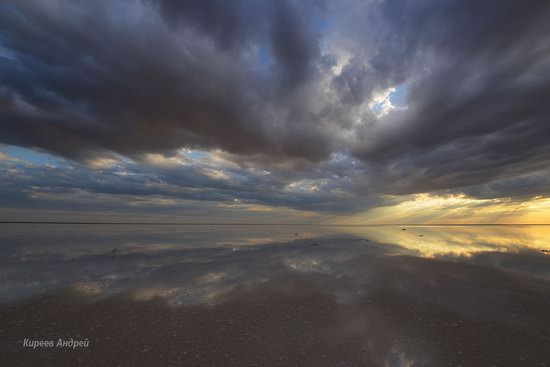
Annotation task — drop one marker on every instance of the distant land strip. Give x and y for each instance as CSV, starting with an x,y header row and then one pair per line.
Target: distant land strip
x,y
278,224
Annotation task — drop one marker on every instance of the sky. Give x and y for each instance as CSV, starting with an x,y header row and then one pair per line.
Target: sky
x,y
244,111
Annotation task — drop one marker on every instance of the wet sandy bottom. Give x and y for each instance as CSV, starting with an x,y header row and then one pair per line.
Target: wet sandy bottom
x,y
411,312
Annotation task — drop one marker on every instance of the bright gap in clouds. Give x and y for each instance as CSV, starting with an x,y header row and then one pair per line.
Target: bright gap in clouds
x,y
389,100
194,154
27,155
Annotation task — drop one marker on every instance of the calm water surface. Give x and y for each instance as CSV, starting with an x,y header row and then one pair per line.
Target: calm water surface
x,y
276,295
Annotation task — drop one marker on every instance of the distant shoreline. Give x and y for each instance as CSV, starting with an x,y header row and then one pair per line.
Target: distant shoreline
x,y
277,224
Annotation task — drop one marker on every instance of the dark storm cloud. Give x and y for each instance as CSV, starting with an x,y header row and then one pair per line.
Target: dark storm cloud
x,y
477,105
285,86
521,187
89,78
279,26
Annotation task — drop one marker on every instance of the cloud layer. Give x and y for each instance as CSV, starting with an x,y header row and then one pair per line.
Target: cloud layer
x,y
287,92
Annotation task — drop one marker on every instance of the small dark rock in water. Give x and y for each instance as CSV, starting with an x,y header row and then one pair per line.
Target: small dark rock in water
x,y
314,244
403,229
296,233
420,235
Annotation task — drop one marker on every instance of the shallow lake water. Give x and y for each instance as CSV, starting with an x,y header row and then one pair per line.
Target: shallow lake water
x,y
214,295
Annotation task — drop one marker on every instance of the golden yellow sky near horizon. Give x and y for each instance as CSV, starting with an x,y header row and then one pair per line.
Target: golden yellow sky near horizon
x,y
454,209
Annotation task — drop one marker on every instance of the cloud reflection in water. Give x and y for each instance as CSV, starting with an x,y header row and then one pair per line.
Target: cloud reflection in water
x,y
363,296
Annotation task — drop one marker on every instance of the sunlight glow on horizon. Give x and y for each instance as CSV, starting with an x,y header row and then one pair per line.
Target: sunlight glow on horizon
x,y
456,209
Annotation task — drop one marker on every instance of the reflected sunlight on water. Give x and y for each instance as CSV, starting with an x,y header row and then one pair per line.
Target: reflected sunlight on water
x,y
459,240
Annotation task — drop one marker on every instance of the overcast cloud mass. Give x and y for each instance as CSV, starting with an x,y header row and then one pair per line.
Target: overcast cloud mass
x,y
328,107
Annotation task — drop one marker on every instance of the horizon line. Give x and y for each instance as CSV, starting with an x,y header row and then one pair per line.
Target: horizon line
x,y
273,224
